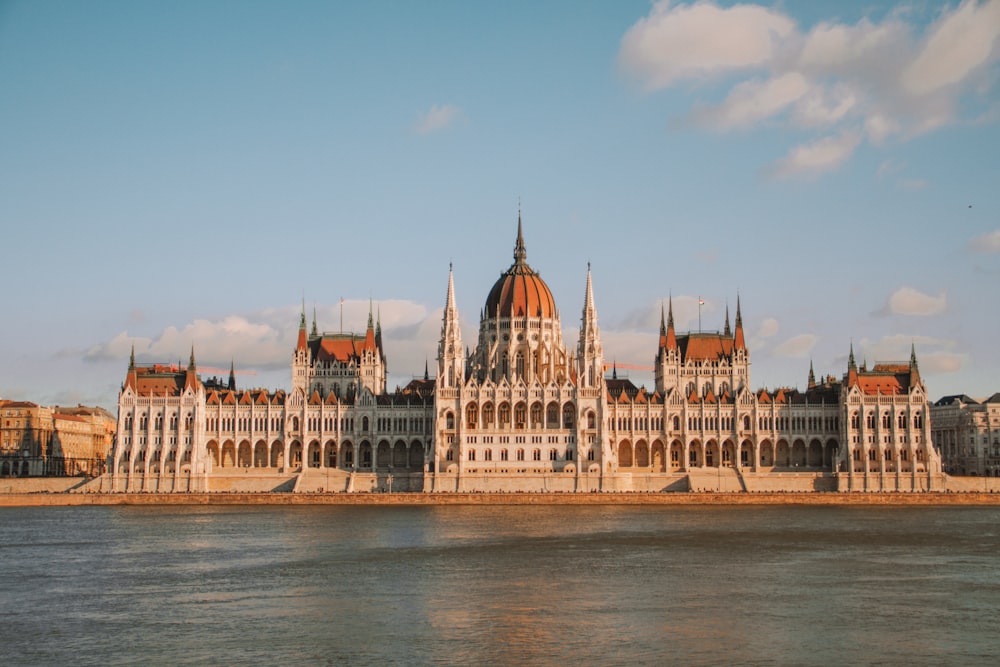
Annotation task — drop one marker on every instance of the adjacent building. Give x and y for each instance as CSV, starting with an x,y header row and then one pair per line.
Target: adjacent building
x,y
967,433
38,440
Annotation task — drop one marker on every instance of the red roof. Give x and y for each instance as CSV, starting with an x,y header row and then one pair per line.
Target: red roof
x,y
705,347
340,347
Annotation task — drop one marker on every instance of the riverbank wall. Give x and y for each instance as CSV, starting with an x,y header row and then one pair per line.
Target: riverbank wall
x,y
423,499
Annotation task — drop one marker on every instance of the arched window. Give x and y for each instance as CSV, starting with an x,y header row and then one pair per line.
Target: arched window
x,y
472,455
536,455
487,415
591,420
677,423
471,414
488,455
536,414
854,420
569,414
503,454
520,455
553,455
449,421
519,365
504,414
552,415
520,415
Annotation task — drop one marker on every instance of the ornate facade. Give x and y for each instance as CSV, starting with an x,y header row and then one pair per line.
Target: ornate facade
x,y
524,411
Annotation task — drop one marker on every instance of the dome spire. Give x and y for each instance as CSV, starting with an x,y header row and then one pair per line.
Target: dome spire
x,y
520,254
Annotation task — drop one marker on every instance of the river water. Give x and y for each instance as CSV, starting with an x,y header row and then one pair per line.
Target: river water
x,y
513,585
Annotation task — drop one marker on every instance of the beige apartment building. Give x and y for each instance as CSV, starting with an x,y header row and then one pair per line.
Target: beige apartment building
x,y
38,440
967,433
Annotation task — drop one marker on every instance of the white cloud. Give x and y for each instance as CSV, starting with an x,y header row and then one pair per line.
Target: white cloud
x,y
941,362
843,49
879,127
753,101
987,244
685,310
264,340
909,301
797,346
889,167
699,41
768,328
958,44
809,160
822,107
934,355
897,77
438,118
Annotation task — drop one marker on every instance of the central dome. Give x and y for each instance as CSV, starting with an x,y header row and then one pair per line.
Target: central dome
x,y
520,291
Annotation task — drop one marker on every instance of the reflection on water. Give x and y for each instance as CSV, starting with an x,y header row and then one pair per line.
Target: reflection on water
x,y
508,585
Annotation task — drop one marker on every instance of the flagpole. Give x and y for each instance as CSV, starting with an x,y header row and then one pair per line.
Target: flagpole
x,y
701,302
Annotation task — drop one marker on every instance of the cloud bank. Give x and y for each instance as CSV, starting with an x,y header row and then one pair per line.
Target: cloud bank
x,y
873,80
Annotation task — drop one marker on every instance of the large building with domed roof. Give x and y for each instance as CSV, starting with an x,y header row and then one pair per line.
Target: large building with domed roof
x,y
523,411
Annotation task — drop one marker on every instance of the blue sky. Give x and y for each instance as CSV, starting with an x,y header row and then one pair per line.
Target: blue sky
x,y
186,173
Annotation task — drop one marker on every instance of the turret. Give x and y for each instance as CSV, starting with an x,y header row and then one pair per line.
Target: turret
x,y
589,353
451,370
739,342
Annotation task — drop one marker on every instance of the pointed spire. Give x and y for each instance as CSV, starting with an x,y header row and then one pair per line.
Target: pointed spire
x,y
131,359
315,331
663,327
427,375
232,374
851,364
370,331
614,370
671,341
738,341
191,377
588,299
301,343
812,375
449,301
913,356
726,331
520,254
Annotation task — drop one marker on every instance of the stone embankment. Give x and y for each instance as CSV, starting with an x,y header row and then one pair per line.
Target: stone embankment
x,y
149,499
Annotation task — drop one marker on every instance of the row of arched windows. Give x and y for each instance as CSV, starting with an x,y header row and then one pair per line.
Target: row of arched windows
x,y
501,416
886,421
